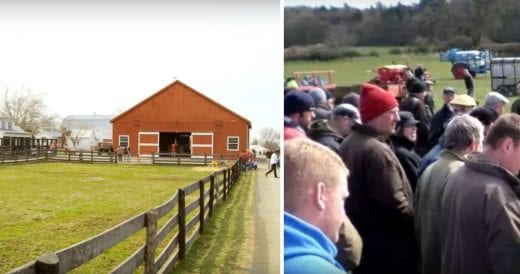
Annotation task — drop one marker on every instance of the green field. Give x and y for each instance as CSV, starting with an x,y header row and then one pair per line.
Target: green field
x,y
50,206
355,71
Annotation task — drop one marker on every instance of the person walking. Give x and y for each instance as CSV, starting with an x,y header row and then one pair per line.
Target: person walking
x,y
480,216
468,81
274,162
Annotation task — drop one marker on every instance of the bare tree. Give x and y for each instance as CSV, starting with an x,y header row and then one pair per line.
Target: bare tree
x,y
27,110
270,138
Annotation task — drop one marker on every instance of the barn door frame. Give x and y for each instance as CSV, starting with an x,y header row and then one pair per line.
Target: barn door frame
x,y
192,145
139,144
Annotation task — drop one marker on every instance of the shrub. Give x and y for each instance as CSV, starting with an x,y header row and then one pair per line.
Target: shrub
x,y
350,53
395,51
506,49
374,53
459,41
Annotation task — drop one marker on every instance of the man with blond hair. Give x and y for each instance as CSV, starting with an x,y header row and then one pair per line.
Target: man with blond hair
x,y
313,207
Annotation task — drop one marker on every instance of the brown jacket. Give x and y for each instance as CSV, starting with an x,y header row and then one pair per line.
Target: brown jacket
x,y
480,219
428,207
380,204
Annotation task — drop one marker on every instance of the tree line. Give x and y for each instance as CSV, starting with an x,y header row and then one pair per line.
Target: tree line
x,y
439,24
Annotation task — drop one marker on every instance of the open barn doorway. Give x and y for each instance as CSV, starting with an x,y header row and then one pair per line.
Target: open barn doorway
x,y
182,139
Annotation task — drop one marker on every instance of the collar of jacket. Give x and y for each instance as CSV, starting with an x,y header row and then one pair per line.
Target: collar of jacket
x,y
448,153
370,132
322,128
401,141
479,161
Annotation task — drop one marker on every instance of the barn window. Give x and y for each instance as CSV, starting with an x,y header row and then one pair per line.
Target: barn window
x,y
232,143
123,140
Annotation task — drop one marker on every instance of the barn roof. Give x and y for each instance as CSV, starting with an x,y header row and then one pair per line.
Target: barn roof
x,y
177,82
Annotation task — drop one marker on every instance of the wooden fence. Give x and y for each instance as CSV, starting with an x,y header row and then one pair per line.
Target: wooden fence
x,y
212,190
94,157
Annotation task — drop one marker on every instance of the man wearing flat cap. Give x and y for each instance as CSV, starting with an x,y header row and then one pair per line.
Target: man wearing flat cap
x,y
441,118
297,113
380,204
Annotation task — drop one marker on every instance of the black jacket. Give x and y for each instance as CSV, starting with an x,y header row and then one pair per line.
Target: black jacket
x,y
321,132
422,114
410,161
439,121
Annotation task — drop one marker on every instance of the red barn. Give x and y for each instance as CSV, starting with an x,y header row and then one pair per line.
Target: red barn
x,y
179,114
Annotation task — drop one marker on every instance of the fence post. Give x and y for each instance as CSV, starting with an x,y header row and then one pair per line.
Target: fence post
x,y
225,184
211,194
201,204
232,176
153,158
205,159
28,154
91,156
151,233
182,224
69,155
48,263
178,160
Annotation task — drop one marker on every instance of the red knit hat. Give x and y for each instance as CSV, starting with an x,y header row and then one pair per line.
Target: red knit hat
x,y
374,101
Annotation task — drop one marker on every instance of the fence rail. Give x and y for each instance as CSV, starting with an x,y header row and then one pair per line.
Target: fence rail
x,y
31,155
212,190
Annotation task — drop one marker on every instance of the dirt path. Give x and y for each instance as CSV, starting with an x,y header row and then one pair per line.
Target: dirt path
x,y
267,222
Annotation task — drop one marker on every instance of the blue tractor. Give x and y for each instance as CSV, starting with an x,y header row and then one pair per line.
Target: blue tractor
x,y
475,61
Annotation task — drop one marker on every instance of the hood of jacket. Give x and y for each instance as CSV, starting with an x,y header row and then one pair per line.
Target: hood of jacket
x,y
320,128
479,161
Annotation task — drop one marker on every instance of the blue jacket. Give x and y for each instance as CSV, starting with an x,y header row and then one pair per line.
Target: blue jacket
x,y
307,249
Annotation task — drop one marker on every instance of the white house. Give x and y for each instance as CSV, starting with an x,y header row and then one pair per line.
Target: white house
x,y
12,135
84,132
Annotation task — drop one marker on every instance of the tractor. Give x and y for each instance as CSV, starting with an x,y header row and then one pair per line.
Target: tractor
x,y
393,79
475,61
308,80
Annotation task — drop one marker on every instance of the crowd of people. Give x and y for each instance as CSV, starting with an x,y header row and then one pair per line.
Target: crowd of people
x,y
380,185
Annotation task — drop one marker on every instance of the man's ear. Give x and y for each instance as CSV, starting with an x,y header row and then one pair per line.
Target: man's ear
x,y
507,144
321,195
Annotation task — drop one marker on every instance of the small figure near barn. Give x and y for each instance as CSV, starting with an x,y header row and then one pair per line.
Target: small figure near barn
x,y
173,148
274,162
128,154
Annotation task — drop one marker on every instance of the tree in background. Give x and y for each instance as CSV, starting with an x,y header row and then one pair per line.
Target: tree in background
x,y
439,23
27,110
269,138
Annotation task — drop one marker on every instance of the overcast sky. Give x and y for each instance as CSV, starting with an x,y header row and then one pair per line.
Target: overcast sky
x,y
361,4
106,56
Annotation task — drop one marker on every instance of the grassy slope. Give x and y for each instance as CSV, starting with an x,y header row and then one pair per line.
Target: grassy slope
x,y
358,70
47,207
227,244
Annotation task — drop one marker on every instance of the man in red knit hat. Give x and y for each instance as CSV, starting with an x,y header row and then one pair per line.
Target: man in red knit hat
x,y
381,200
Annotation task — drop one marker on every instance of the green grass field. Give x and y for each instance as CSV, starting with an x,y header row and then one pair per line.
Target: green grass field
x,y
50,206
358,70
